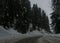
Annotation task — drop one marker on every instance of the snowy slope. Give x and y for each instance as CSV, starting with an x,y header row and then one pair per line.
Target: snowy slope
x,y
13,32
15,38
11,36
3,32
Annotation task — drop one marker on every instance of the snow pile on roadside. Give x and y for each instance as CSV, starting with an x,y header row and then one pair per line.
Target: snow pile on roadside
x,y
13,32
37,33
3,32
10,36
10,31
34,33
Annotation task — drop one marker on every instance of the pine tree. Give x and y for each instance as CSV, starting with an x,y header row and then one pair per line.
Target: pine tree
x,y
1,12
23,21
9,12
56,15
39,19
43,19
36,17
45,22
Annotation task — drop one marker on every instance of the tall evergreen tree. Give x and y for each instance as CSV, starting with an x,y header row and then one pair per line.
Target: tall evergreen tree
x,y
45,22
22,24
39,19
8,12
56,15
1,11
36,16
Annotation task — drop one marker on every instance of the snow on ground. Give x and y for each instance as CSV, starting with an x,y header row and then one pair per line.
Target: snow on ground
x,y
36,32
3,32
12,36
49,39
13,32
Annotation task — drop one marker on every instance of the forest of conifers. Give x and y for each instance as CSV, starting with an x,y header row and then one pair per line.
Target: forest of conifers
x,y
19,14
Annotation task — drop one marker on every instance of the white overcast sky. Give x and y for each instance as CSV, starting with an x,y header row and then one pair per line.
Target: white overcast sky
x,y
46,5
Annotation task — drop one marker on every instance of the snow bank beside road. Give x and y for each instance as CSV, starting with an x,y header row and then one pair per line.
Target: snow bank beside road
x,y
15,38
11,36
48,38
35,36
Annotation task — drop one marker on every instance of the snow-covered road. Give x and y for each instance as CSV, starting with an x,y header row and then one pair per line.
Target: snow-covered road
x,y
19,39
24,38
29,40
30,37
39,39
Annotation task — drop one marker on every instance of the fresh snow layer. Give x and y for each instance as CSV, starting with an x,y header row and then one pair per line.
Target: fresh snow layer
x,y
13,32
3,32
12,36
